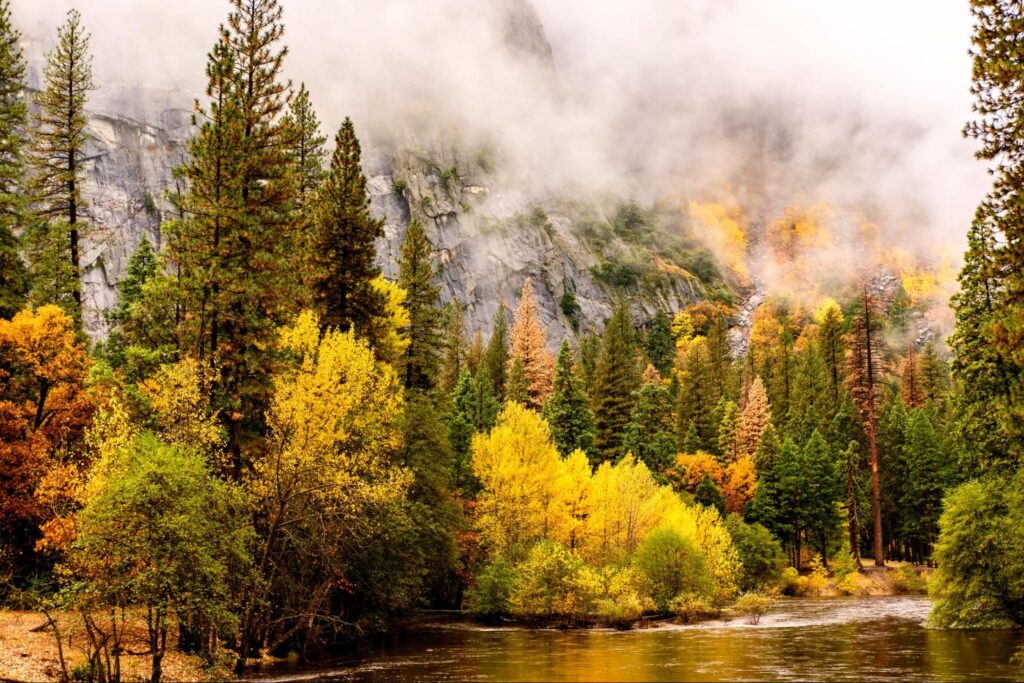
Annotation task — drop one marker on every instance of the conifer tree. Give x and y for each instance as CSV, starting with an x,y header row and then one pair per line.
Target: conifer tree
x,y
453,347
864,368
934,374
567,411
727,444
495,360
765,507
13,116
142,267
586,362
820,516
754,418
926,481
615,379
234,245
659,346
830,346
344,255
912,388
528,344
473,409
58,172
306,144
415,276
650,435
517,385
694,426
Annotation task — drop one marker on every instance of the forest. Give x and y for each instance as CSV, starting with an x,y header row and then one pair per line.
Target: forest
x,y
276,448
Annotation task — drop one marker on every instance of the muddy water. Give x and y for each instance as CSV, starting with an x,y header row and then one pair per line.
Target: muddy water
x,y
837,639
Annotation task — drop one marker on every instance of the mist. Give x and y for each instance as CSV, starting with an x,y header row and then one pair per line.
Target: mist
x,y
767,105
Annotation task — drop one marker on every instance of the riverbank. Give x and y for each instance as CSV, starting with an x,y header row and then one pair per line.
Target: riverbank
x,y
28,653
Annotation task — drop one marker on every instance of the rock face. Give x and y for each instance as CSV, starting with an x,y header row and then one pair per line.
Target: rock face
x,y
487,238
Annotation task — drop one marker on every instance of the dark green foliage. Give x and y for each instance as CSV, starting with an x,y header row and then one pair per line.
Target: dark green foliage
x,y
495,362
590,349
765,507
759,551
344,255
454,347
650,434
659,346
13,116
821,491
494,584
517,386
142,267
708,495
473,409
567,410
616,378
928,477
415,276
570,308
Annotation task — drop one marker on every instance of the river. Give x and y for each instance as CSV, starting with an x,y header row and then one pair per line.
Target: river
x,y
800,639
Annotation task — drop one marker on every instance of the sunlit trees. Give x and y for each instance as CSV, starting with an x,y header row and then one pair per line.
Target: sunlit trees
x,y
616,377
528,345
323,482
58,172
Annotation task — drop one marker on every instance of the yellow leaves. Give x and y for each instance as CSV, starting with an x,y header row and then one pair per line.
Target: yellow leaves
x,y
693,468
178,395
799,229
740,484
392,342
332,423
682,329
828,307
724,228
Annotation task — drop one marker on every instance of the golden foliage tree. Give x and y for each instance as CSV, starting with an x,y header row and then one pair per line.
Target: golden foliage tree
x,y
754,418
529,345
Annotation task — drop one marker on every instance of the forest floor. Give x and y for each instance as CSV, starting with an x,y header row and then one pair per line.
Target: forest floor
x,y
29,655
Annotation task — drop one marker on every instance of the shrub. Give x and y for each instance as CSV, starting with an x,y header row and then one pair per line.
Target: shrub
x,y
546,582
753,606
490,596
906,580
760,553
672,565
690,608
624,599
792,584
817,580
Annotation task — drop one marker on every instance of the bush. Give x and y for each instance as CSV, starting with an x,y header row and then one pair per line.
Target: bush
x,y
546,582
672,565
760,553
490,596
817,580
690,608
753,606
906,580
791,583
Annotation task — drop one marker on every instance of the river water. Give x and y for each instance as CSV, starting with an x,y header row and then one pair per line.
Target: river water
x,y
800,639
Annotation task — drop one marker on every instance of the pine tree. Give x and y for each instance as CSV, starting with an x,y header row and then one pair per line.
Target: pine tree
x,y
727,444
473,409
696,393
864,369
754,418
142,267
495,360
912,388
927,480
659,346
58,172
453,348
306,147
822,491
344,255
590,349
528,344
415,276
233,248
517,385
934,374
833,352
13,116
615,379
765,508
650,434
567,410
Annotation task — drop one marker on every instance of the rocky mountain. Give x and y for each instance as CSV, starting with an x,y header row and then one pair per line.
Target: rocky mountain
x,y
488,237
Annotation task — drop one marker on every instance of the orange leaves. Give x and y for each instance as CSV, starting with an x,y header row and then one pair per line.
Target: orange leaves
x,y
740,484
725,230
692,468
529,345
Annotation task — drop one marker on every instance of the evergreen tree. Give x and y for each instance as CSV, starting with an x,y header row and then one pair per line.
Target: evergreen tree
x,y
934,374
754,418
727,444
495,360
142,267
567,411
822,490
13,116
927,481
659,346
58,172
650,434
708,495
765,506
863,378
832,351
615,379
590,349
453,348
528,344
694,426
344,255
233,248
415,276
306,147
517,385
473,409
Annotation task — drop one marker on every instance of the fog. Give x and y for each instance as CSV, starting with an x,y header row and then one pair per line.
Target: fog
x,y
768,104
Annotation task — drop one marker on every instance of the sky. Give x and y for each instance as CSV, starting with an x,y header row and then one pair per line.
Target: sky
x,y
859,105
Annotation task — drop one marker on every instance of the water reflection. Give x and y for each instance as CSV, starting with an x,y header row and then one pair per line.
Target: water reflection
x,y
848,639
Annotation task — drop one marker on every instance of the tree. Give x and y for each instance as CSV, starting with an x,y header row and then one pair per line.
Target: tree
x,y
755,416
142,267
650,433
740,484
415,276
307,151
659,346
864,368
615,379
912,389
819,513
495,360
454,346
473,409
232,247
927,480
694,426
832,349
13,116
529,345
162,531
567,410
726,442
57,161
344,255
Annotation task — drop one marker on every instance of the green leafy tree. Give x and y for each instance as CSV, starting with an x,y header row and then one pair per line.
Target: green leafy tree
x,y
13,116
927,480
344,255
454,348
759,551
58,171
567,410
616,378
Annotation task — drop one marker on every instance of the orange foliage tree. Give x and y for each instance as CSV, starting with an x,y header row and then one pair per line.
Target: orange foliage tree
x,y
530,347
